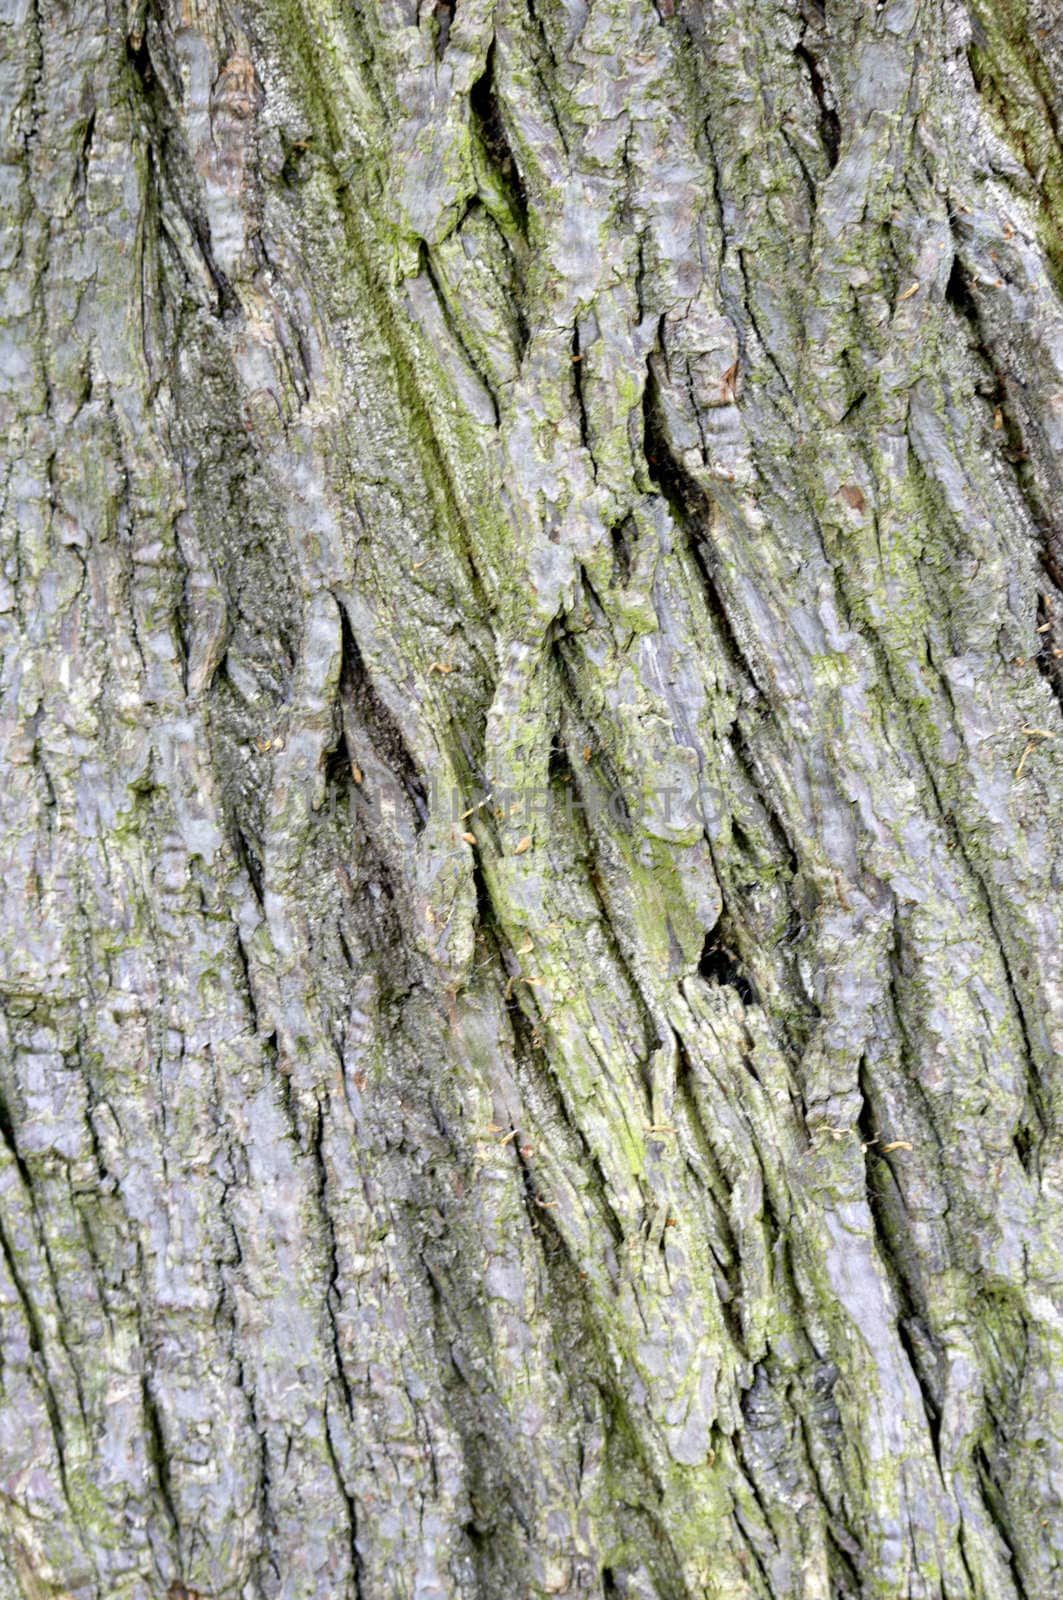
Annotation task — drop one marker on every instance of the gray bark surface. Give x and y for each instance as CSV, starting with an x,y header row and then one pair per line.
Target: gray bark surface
x,y
646,1180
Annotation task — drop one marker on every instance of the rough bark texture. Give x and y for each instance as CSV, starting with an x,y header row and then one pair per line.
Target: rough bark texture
x,y
648,1184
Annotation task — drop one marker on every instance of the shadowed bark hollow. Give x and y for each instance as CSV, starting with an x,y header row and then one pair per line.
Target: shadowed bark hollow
x,y
530,951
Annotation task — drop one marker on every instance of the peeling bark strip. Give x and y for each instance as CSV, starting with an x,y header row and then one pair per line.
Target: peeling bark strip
x,y
599,403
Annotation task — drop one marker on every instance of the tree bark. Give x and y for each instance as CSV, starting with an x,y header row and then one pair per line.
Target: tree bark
x,y
532,620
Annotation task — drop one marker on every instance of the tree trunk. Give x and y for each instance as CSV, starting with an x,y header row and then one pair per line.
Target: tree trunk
x,y
531,956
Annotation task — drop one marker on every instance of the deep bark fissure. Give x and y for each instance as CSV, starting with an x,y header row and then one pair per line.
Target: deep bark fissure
x,y
829,125
491,127
1050,532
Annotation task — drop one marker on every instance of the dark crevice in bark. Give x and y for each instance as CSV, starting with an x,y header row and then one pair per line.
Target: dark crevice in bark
x,y
751,932
35,1339
339,765
443,12
436,462
537,1204
512,280
1028,1146
1029,1137
139,58
748,279
170,171
1001,394
708,1172
1012,78
524,1021
566,779
542,78
298,163
623,536
29,138
349,1505
598,614
332,1293
1050,629
490,125
900,974
897,1253
599,768
263,1480
437,465
33,1324
747,765
756,1539
454,329
995,1503
719,964
530,1055
493,1475
844,1581
7,1134
794,149
968,1570
541,33
155,1443
829,124
384,733
692,511
250,859
853,408
844,1556
577,387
